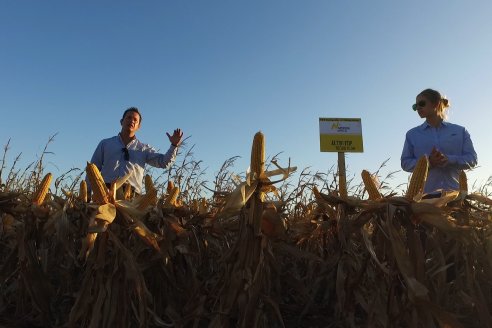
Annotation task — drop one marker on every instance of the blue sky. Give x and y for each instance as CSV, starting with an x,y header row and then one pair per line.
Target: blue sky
x,y
222,70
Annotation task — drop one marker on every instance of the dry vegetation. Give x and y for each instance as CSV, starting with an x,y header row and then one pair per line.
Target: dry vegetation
x,y
256,251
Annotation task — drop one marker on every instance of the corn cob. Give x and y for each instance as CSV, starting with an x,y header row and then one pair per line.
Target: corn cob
x,y
99,189
194,205
258,155
83,191
149,184
42,190
370,185
202,207
170,187
149,199
172,197
127,192
419,177
463,181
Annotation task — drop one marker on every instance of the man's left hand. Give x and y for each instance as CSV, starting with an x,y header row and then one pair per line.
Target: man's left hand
x,y
176,138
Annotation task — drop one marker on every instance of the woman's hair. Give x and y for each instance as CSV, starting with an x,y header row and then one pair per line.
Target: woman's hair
x,y
441,102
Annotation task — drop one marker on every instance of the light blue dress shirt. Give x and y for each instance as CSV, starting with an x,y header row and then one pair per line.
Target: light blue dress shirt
x,y
452,140
109,157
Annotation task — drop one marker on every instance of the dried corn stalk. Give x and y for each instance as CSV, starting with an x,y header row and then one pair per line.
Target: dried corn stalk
x,y
247,280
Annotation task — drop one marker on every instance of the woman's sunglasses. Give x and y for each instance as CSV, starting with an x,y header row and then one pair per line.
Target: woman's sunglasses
x,y
419,104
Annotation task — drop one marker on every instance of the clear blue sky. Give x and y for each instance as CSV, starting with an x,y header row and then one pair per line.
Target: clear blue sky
x,y
222,70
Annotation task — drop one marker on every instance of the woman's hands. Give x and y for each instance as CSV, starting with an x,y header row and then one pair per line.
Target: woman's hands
x,y
437,158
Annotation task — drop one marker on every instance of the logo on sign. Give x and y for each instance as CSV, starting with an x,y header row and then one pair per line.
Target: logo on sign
x,y
336,126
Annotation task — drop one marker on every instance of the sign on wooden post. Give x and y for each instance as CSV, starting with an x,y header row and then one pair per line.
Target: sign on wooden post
x,y
341,135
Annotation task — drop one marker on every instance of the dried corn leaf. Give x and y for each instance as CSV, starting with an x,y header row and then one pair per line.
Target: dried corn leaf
x,y
443,200
443,222
149,237
480,198
237,199
415,288
370,248
87,245
106,212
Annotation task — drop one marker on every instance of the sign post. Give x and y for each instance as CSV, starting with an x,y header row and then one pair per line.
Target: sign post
x,y
341,135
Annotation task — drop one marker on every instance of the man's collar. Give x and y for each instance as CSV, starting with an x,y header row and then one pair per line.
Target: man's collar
x,y
131,140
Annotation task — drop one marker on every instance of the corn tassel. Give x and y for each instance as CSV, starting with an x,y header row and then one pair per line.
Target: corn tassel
x,y
258,155
99,190
418,179
463,181
42,190
83,191
370,185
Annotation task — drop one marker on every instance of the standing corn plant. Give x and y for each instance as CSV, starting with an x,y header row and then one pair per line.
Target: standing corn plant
x,y
245,289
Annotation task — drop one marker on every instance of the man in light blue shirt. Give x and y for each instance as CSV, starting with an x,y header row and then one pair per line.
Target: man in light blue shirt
x,y
125,154
448,146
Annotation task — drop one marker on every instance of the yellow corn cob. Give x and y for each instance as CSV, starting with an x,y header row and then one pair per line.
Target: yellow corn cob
x,y
83,191
194,205
149,199
149,184
419,177
463,181
170,187
172,197
127,192
42,190
370,184
99,189
258,155
202,207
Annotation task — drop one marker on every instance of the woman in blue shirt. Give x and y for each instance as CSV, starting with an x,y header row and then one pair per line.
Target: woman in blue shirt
x,y
448,146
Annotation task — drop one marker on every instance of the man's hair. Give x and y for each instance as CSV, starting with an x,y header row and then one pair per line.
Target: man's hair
x,y
132,109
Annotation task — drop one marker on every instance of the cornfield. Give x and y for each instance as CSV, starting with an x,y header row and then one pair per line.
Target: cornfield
x,y
257,252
